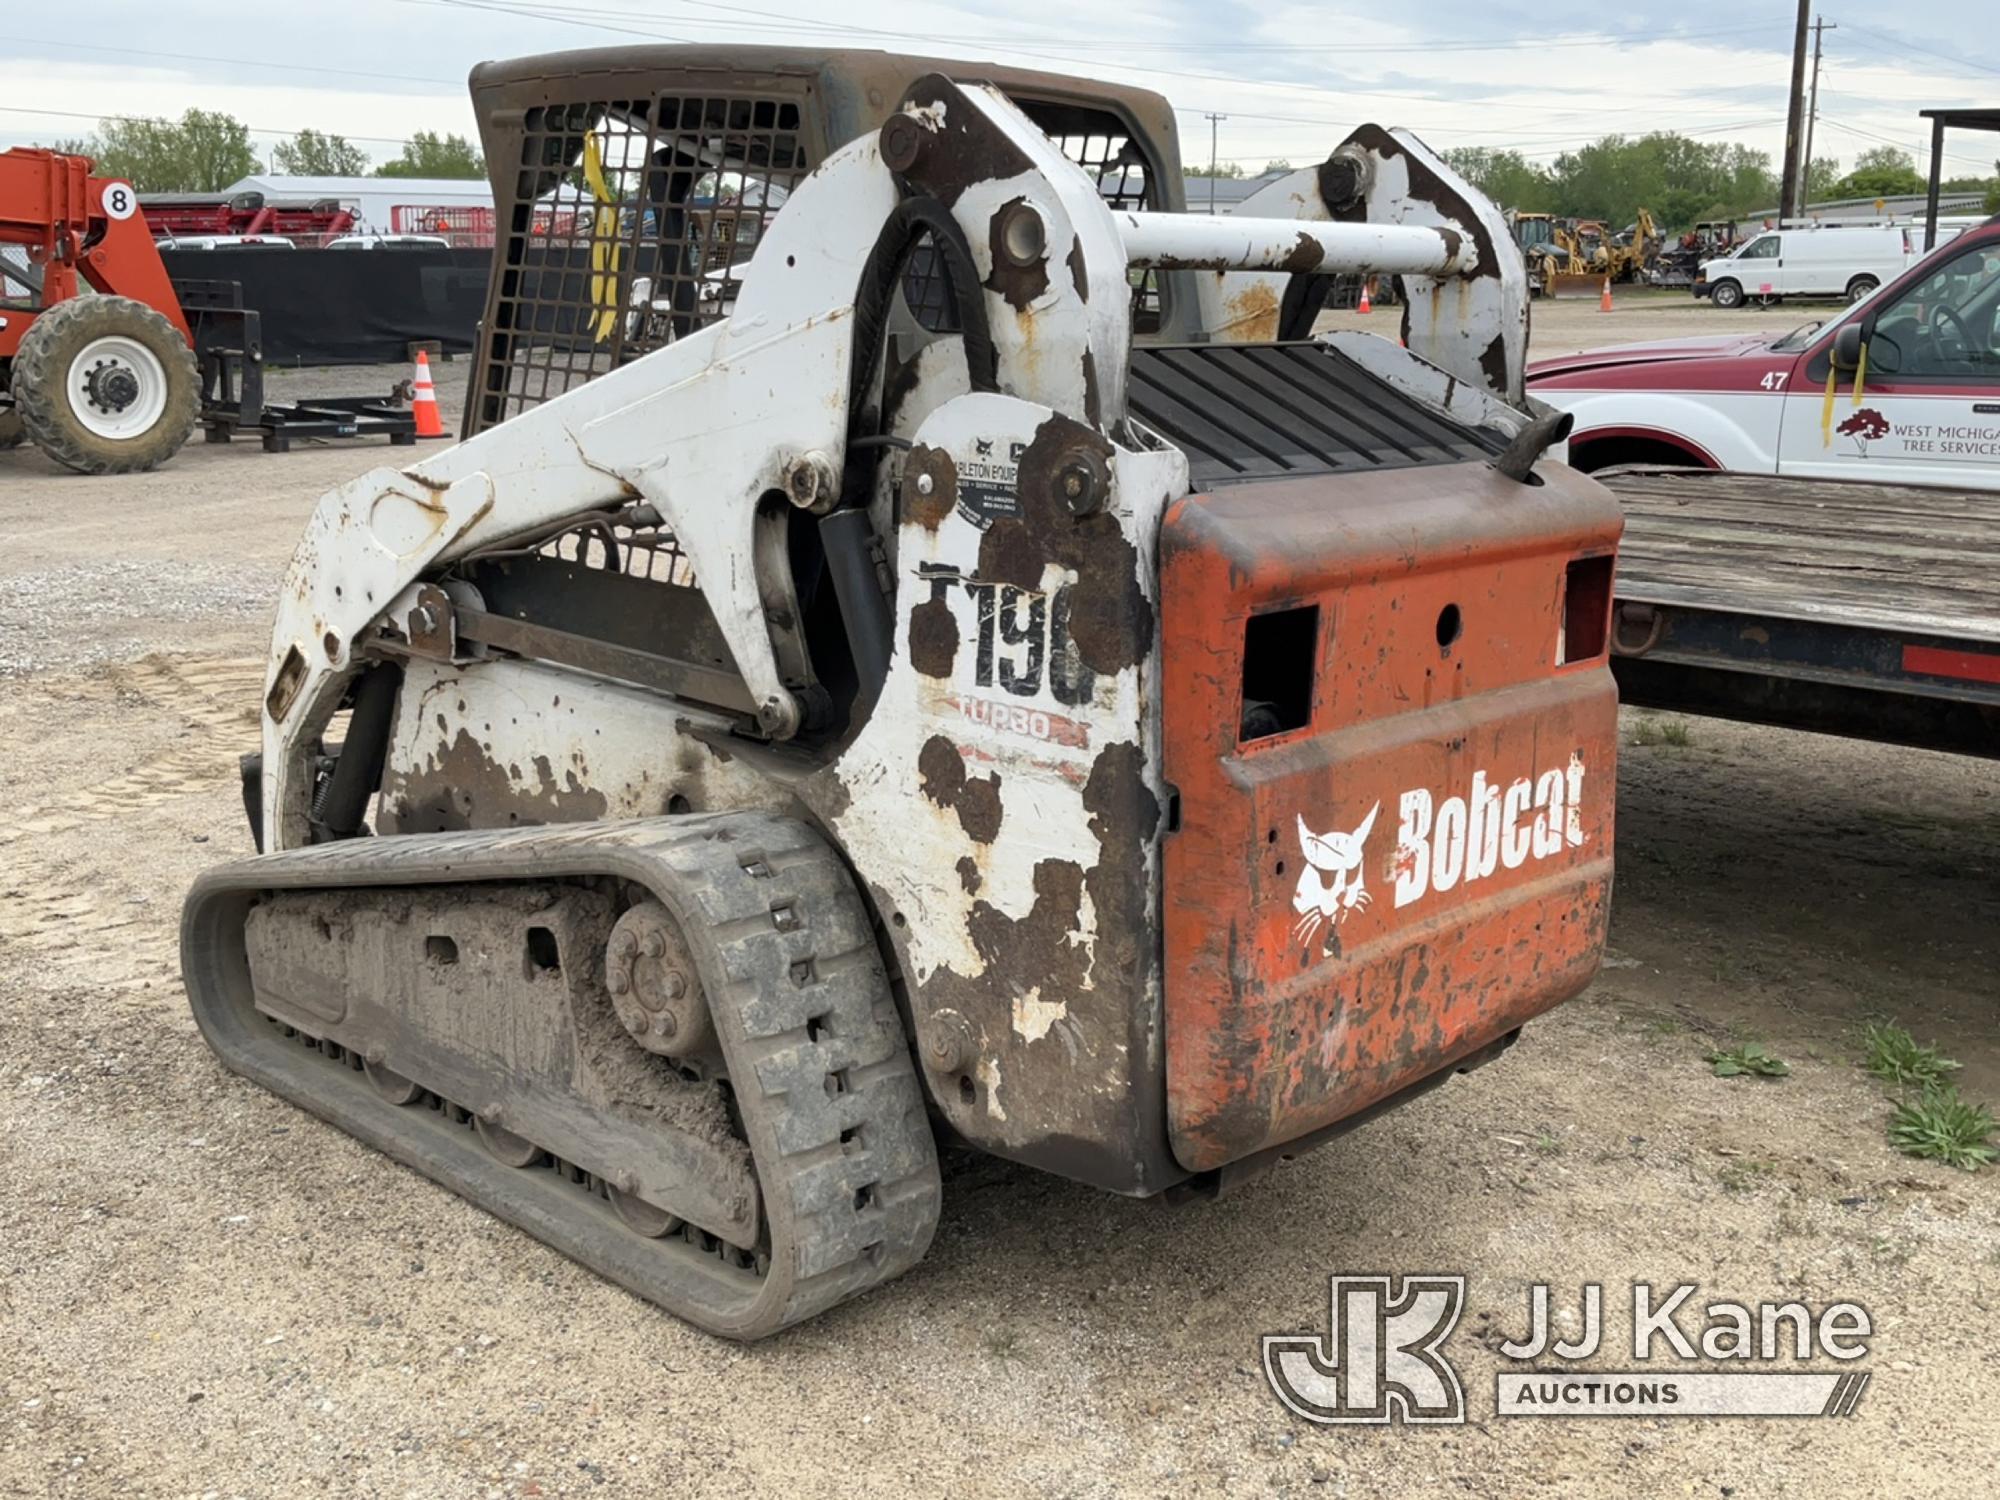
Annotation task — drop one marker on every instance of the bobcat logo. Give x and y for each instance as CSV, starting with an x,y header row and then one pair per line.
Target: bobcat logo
x,y
1333,883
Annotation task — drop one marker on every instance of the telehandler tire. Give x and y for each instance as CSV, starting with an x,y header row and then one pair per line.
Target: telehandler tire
x,y
106,385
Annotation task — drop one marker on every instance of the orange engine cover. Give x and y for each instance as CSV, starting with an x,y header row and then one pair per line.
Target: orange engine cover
x,y
1390,721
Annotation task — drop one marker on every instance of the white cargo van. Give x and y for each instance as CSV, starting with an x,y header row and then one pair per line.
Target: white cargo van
x,y
1829,260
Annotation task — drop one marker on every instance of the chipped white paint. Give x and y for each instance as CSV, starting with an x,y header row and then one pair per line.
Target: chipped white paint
x,y
548,733
1033,1016
989,1081
1291,244
1041,791
702,428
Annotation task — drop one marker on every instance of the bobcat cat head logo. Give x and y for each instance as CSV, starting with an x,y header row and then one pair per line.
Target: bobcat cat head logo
x,y
1333,883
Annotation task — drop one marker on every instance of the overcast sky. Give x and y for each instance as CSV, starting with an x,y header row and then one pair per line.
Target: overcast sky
x,y
1292,78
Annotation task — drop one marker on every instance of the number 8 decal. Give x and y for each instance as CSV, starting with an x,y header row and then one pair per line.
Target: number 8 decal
x,y
120,202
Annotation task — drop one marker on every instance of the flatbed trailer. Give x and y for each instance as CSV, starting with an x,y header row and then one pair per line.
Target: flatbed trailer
x,y
1851,608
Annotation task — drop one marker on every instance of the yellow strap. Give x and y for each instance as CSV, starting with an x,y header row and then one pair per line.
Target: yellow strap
x,y
604,247
1833,379
593,170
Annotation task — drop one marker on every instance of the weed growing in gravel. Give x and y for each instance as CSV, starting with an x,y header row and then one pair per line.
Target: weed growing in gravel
x,y
1940,1124
1892,1055
1674,732
1747,1061
1891,1252
1742,1176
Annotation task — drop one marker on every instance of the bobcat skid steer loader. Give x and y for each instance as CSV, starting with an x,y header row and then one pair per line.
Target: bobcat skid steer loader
x,y
879,701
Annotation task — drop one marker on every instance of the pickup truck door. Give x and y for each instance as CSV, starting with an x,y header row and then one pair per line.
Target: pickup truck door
x,y
1928,411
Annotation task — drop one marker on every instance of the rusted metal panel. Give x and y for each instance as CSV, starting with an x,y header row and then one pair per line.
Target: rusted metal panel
x,y
1419,859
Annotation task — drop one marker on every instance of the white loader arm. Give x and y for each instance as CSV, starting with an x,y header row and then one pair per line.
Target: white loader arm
x,y
702,429
1468,317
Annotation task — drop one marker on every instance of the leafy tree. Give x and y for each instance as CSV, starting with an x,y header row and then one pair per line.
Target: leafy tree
x,y
202,152
1222,169
1277,164
1881,172
312,154
1990,186
426,154
1679,179
1821,178
1507,177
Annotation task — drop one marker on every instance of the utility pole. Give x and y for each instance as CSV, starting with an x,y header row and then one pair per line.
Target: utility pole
x,y
1788,183
1213,164
1820,27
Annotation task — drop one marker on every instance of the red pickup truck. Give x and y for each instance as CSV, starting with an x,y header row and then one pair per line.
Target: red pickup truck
x,y
1904,386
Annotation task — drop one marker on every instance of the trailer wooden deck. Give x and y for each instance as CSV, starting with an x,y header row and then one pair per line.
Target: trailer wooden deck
x,y
1860,609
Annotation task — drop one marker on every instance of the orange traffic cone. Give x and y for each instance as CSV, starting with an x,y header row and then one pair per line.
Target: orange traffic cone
x,y
1363,305
424,401
1604,302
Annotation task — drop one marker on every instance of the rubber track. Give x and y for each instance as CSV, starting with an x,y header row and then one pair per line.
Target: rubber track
x,y
816,1054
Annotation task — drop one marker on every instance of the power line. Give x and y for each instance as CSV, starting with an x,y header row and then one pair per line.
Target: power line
x,y
773,20
244,62
77,114
1034,49
531,15
781,21
1950,57
1889,140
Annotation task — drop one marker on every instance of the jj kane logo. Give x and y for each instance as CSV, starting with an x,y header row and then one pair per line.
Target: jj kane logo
x,y
1383,1360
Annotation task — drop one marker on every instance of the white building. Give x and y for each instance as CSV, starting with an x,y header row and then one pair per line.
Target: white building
x,y
381,205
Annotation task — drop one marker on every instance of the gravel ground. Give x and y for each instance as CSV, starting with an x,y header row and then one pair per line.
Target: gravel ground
x,y
204,1292
1569,325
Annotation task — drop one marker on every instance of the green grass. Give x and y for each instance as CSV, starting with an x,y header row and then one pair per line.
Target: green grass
x,y
1940,1124
1674,732
1744,1176
1747,1061
1891,1054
